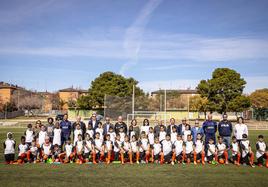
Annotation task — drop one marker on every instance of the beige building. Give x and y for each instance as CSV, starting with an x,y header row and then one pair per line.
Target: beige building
x,y
70,94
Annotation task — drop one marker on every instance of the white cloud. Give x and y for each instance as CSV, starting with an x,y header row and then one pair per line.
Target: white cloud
x,y
134,35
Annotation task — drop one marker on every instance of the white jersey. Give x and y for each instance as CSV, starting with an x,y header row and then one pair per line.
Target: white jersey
x,y
122,136
126,146
157,148
134,146
108,146
87,146
68,149
57,136
100,130
239,130
112,136
98,145
162,135
167,147
29,136
145,129
211,149
33,150
189,146
23,149
221,148
151,138
185,134
9,146
245,147
173,137
117,145
235,148
144,144
47,148
41,137
198,146
79,145
178,145
261,149
76,133
90,132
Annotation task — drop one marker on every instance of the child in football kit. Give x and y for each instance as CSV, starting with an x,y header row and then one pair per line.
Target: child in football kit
x,y
90,131
42,136
57,134
261,152
46,149
211,151
88,149
189,149
144,148
178,150
29,134
247,154
22,148
156,151
173,134
77,131
151,136
32,154
122,134
117,147
9,148
236,155
222,154
162,133
79,149
135,148
112,134
98,147
166,156
199,150
108,148
99,129
186,132
68,153
56,154
126,150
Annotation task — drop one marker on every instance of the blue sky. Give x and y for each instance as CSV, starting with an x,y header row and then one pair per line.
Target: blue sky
x,y
54,44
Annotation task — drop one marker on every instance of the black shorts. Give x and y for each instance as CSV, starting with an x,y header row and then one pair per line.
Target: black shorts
x,y
198,156
179,157
210,158
157,157
9,157
86,155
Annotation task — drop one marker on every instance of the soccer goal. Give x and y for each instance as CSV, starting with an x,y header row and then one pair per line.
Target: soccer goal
x,y
153,117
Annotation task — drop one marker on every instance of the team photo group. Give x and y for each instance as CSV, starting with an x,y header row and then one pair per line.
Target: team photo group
x,y
96,142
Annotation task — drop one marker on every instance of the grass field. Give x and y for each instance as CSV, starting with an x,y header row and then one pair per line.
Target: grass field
x,y
129,175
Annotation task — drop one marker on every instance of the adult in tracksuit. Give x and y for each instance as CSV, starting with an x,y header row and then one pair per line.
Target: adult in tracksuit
x,y
210,129
66,128
225,129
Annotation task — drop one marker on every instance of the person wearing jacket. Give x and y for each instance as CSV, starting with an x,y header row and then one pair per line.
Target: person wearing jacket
x,y
66,128
210,129
225,129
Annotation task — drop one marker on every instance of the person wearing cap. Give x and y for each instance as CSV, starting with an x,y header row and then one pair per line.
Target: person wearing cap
x,y
9,148
182,126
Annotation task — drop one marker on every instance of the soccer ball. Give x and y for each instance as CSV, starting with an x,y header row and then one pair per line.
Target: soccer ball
x,y
221,161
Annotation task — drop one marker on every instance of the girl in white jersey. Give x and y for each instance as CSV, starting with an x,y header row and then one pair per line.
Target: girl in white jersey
x,y
222,154
144,148
261,152
22,148
42,135
57,134
135,148
199,152
29,134
108,148
9,148
126,150
236,155
156,151
178,150
68,151
247,154
79,147
88,147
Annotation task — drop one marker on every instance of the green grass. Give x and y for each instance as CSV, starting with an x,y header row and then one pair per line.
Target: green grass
x,y
129,175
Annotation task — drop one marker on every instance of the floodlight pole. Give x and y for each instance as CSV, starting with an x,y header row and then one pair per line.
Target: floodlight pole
x,y
165,107
133,100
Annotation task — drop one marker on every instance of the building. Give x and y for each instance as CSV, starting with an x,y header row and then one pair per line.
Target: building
x,y
69,95
7,92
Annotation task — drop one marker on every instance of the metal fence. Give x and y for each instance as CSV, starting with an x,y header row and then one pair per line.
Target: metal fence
x,y
7,115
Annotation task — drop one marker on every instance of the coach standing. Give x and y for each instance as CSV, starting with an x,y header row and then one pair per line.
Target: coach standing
x,y
66,128
225,129
120,124
210,129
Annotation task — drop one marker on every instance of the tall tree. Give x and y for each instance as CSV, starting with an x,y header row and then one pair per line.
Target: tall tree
x,y
108,83
222,90
259,100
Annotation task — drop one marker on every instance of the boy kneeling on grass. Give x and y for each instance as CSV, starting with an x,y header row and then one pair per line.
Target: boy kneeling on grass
x,y
261,152
247,154
23,148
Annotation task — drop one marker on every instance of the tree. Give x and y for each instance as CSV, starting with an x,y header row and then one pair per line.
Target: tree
x,y
109,83
259,100
239,104
200,104
222,90
31,102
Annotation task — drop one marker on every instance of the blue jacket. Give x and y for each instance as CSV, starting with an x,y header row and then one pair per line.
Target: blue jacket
x,y
195,131
225,128
210,127
66,128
